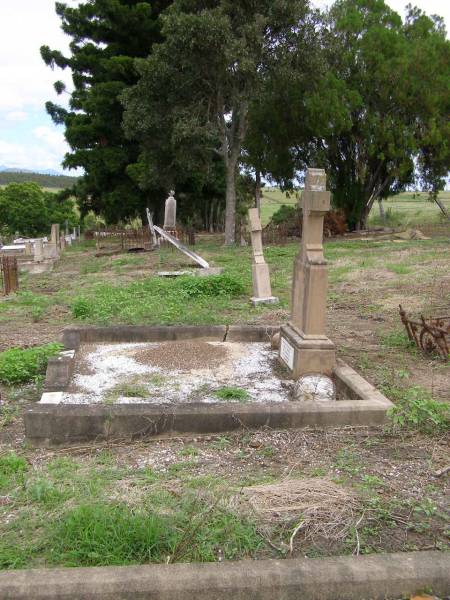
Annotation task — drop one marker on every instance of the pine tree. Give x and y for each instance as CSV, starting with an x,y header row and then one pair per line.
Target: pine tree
x,y
107,35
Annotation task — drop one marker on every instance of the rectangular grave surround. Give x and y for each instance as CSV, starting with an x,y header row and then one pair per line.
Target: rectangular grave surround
x,y
71,413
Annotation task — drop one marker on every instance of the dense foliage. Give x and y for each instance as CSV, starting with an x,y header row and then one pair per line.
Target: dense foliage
x,y
28,210
213,88
106,37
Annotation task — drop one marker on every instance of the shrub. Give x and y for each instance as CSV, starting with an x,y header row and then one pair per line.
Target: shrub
x,y
416,409
22,366
216,285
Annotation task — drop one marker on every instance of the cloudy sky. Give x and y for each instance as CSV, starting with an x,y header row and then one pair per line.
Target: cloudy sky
x,y
28,138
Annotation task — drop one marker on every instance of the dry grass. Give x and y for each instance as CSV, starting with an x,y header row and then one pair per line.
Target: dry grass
x,y
316,506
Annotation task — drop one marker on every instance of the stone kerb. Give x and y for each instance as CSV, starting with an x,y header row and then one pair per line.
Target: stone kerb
x,y
374,577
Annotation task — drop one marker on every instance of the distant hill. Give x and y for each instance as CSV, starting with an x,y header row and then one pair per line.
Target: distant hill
x,y
49,179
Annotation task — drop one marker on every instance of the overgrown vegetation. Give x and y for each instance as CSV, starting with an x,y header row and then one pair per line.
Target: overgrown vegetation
x,y
232,393
24,365
415,409
174,300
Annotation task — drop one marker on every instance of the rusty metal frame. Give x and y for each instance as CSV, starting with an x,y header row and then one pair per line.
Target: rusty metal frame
x,y
430,335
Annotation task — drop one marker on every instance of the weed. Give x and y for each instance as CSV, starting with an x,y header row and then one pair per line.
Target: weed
x,y
416,409
22,366
8,414
232,393
126,390
399,268
12,470
189,451
347,462
221,443
397,339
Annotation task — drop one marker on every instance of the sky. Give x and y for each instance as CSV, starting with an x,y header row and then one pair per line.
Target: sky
x,y
28,137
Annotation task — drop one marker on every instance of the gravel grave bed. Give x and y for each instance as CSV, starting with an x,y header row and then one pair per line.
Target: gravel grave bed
x,y
176,372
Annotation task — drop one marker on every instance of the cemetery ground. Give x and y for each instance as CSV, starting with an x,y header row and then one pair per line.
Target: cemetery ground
x,y
252,494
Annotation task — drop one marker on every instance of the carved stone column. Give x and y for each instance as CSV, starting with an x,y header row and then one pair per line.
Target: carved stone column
x,y
304,346
262,290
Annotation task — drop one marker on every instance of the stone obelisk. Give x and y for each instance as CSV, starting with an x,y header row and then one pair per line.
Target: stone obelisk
x,y
262,290
304,347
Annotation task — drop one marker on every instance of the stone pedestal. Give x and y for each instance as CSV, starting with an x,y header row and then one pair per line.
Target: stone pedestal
x,y
304,347
170,212
262,290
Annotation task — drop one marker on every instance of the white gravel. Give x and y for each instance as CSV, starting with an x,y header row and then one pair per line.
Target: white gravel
x,y
248,366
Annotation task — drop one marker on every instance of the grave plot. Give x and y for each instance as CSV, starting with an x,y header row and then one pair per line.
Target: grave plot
x,y
176,372
139,382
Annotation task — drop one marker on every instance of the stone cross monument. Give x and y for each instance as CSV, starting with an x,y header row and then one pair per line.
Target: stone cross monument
x,y
262,291
170,213
304,347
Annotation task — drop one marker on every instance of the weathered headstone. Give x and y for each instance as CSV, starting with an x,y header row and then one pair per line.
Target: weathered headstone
x,y
28,248
62,241
262,291
304,347
38,251
170,212
54,236
74,233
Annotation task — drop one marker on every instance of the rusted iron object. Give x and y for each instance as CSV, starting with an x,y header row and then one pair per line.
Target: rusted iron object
x,y
430,335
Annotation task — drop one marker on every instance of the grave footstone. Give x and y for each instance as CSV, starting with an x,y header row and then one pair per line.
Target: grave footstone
x,y
262,290
170,212
304,346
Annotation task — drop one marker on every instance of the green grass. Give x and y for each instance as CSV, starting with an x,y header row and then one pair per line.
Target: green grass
x,y
64,515
232,393
158,300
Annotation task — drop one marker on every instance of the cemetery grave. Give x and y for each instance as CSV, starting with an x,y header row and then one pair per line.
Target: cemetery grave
x,y
387,475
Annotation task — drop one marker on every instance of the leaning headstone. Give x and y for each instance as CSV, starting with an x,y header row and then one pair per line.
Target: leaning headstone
x,y
170,212
262,291
38,251
181,247
304,346
151,228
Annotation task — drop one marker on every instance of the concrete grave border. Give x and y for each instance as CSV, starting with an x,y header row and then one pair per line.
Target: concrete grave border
x,y
374,577
51,423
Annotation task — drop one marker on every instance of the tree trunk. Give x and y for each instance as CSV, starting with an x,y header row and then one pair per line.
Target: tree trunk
x,y
382,213
258,191
211,217
230,208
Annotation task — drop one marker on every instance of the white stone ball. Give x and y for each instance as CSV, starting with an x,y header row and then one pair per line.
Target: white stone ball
x,y
314,388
